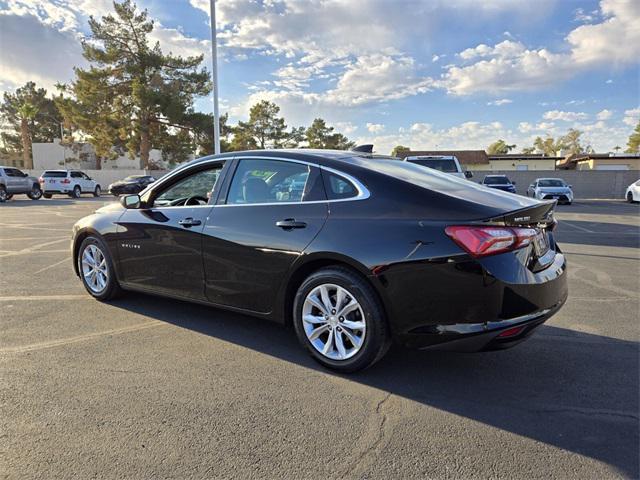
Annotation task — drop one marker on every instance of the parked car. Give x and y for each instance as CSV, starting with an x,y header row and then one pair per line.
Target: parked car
x,y
633,192
551,189
368,250
68,182
499,182
443,163
130,184
15,182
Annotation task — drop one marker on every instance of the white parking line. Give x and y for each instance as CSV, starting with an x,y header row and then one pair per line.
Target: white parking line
x,y
80,338
33,248
29,298
52,265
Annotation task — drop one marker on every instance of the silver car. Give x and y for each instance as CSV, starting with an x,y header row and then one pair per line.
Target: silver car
x,y
14,182
551,189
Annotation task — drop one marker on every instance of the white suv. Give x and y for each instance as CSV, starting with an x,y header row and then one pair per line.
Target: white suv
x,y
68,182
444,163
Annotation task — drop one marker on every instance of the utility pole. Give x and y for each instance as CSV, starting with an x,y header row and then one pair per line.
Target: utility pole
x,y
214,72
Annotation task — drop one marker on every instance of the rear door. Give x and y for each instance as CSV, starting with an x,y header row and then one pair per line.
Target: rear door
x,y
270,212
88,185
160,246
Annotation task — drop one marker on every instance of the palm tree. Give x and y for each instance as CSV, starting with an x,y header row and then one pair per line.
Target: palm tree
x,y
27,112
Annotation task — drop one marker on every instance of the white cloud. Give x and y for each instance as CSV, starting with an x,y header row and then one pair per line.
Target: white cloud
x,y
500,102
604,114
511,66
347,128
564,116
632,116
375,127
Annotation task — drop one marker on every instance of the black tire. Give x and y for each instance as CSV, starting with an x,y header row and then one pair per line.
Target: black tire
x,y
3,194
9,196
630,197
46,195
97,191
76,192
112,288
377,338
35,193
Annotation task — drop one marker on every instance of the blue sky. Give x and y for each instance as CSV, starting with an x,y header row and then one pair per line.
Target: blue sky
x,y
426,74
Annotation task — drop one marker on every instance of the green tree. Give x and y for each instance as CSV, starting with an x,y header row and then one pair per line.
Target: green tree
x,y
320,135
528,150
201,125
571,142
29,116
149,89
499,147
398,149
633,145
243,138
548,146
295,137
265,126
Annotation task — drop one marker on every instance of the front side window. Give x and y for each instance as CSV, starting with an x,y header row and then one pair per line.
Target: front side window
x,y
76,175
195,189
269,181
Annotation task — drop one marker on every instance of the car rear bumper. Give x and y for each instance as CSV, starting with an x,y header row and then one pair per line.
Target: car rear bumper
x,y
63,191
466,304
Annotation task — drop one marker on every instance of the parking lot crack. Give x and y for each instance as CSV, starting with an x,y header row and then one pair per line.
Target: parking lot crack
x,y
367,454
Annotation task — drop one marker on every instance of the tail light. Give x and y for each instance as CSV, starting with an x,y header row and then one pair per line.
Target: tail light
x,y
41,180
65,180
482,241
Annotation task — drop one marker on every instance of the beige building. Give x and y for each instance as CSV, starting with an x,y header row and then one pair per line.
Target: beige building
x,y
522,162
599,161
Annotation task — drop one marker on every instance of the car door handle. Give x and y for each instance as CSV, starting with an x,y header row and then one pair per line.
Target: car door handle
x,y
290,223
189,222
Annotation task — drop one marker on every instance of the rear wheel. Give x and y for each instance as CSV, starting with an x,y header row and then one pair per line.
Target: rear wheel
x,y
96,269
3,194
75,193
338,318
35,193
97,191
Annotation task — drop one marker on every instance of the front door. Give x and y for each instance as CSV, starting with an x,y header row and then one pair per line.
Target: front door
x,y
160,247
273,210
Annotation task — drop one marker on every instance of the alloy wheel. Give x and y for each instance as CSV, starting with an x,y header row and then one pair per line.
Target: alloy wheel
x,y
94,268
334,321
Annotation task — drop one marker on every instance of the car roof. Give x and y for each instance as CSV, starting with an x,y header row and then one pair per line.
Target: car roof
x,y
495,175
550,178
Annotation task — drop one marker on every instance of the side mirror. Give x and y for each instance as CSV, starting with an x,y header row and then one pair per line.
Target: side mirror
x,y
468,174
570,186
25,175
130,201
531,186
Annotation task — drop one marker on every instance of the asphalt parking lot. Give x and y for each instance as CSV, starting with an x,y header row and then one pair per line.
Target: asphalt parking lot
x,y
145,387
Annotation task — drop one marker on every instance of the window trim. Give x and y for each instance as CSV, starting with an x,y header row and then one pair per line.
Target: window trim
x,y
363,192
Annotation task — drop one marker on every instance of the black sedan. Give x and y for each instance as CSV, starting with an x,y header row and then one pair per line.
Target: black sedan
x,y
354,251
499,182
130,184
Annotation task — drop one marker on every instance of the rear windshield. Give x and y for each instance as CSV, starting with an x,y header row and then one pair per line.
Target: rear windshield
x,y
444,165
551,183
54,174
496,181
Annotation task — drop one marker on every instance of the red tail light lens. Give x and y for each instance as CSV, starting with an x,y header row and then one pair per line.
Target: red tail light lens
x,y
483,241
41,180
66,180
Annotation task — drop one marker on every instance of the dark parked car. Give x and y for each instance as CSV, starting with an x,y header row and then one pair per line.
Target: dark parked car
x,y
499,182
353,251
130,184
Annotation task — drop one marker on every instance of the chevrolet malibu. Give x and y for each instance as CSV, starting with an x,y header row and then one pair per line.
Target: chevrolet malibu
x,y
354,251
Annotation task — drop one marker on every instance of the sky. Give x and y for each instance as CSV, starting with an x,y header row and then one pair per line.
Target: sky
x,y
430,74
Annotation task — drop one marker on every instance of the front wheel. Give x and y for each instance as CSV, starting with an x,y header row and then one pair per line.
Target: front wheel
x,y
339,319
630,197
96,269
35,193
97,191
46,195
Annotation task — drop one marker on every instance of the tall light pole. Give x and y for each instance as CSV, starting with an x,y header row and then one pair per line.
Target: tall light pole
x,y
214,72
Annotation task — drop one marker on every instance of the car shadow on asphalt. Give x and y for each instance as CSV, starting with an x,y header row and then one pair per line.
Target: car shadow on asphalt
x,y
572,390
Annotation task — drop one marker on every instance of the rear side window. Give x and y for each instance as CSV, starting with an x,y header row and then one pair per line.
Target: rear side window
x,y
338,187
12,172
54,175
